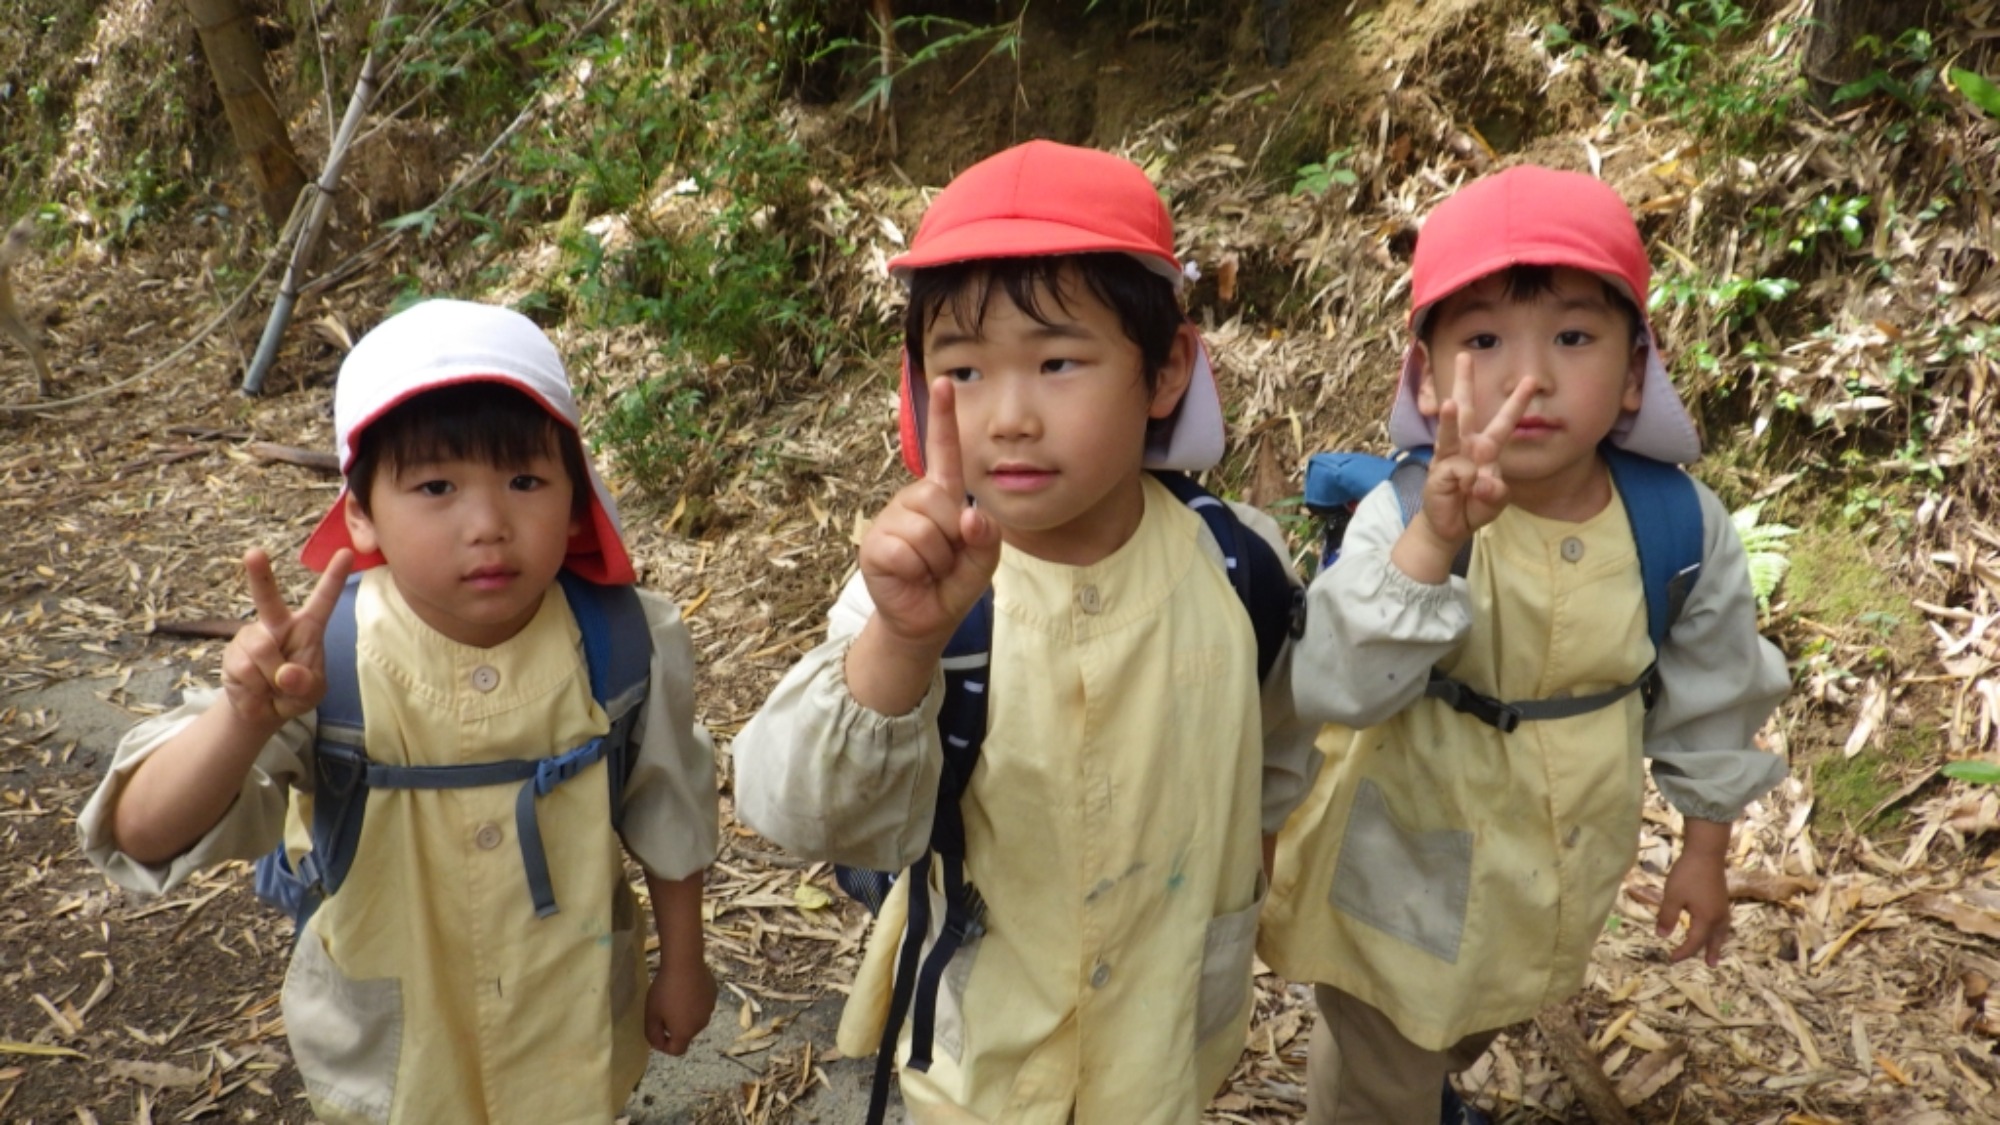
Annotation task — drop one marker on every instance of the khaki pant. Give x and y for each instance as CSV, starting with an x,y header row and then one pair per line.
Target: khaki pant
x,y
1361,1071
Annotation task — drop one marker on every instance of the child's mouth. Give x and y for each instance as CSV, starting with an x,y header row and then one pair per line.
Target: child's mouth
x,y
1021,478
1536,426
489,578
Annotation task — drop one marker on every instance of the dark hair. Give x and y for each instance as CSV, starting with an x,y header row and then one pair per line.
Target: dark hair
x,y
1144,301
1529,283
476,421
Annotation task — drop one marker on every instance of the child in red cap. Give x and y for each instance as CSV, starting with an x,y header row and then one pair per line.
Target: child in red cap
x,y
1112,823
433,986
1489,664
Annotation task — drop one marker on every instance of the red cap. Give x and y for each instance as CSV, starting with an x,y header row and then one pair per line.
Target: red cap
x,y
1043,199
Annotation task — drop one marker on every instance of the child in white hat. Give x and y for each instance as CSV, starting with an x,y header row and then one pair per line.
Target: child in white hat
x,y
1111,824
498,778
1495,665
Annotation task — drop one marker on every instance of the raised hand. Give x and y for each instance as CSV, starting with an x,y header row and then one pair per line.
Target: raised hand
x,y
275,670
1465,491
930,554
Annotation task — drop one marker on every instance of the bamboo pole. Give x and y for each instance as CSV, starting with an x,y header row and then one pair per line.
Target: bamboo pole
x,y
308,240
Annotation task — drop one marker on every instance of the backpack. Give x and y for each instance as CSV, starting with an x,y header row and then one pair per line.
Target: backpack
x,y
1660,502
1261,581
618,649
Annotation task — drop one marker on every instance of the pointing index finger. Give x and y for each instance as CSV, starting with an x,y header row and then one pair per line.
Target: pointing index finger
x,y
942,462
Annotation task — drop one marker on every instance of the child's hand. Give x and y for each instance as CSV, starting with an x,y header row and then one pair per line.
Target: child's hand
x,y
679,1004
1464,491
274,670
929,555
1698,886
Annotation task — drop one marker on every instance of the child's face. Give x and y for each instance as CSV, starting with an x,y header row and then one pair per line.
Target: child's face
x,y
1577,344
472,546
1052,419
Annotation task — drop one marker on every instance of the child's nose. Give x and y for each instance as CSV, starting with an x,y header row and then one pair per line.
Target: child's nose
x,y
486,519
1014,410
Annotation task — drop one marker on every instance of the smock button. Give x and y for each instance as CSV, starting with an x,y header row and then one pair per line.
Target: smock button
x,y
1088,599
1100,976
485,678
487,837
1572,549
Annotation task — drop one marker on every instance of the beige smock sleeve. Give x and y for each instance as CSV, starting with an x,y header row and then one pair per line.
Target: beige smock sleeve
x,y
671,811
1372,633
1719,681
251,827
824,777
1290,761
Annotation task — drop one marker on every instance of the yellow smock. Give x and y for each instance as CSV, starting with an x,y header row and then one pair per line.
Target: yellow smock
x,y
1455,877
1113,827
426,989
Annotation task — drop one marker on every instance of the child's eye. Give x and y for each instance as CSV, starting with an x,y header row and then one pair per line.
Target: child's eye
x,y
1483,341
1058,366
961,374
435,488
1574,338
527,482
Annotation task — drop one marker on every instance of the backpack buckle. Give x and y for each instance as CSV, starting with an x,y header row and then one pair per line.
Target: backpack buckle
x,y
551,772
1503,717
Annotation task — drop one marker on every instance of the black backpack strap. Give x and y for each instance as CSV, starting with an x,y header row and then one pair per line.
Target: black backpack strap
x,y
967,664
1259,577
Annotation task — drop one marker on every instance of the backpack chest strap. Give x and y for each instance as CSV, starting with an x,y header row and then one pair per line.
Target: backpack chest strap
x,y
1505,717
538,777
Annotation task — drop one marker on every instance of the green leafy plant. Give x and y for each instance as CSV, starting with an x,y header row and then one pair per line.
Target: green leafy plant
x,y
1977,90
1318,178
1975,771
1764,543
1734,98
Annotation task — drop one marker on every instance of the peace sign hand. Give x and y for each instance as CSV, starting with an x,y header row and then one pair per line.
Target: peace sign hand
x,y
275,670
1464,490
930,554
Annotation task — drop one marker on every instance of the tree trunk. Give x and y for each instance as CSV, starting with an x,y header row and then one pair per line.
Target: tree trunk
x,y
1832,59
236,60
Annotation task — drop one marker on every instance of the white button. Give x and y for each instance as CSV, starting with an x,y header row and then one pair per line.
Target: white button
x,y
1088,599
1572,549
487,837
1100,976
485,678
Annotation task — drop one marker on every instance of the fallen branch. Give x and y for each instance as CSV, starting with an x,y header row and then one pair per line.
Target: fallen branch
x,y
315,459
1573,1056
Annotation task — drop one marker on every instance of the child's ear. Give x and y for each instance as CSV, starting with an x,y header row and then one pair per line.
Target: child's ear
x,y
1177,373
1427,388
360,528
1635,378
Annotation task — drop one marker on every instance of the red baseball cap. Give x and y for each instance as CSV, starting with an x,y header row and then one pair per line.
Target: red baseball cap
x,y
1042,199
1532,216
438,344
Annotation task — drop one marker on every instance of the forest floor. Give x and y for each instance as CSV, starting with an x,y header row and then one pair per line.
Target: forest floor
x,y
1858,987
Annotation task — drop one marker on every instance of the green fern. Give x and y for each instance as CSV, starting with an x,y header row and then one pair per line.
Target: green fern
x,y
1764,543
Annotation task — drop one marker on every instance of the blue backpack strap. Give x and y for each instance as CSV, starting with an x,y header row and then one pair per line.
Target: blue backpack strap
x,y
1665,513
618,650
340,794
1255,571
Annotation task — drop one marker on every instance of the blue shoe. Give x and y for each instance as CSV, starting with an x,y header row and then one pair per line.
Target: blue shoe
x,y
1457,1111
